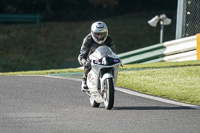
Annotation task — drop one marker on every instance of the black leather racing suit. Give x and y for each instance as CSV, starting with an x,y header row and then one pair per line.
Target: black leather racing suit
x,y
89,46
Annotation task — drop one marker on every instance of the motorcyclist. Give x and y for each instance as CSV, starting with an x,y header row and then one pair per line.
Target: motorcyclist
x,y
98,37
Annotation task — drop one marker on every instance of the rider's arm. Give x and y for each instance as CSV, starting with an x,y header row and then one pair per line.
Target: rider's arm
x,y
110,43
112,46
82,58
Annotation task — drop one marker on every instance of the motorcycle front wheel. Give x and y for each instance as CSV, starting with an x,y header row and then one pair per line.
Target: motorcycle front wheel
x,y
108,94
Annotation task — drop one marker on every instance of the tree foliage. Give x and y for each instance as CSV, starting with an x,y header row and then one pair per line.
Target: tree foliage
x,y
106,4
62,10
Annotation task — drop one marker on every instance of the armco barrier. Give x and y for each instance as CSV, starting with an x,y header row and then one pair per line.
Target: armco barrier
x,y
186,56
150,53
180,45
181,50
177,50
20,18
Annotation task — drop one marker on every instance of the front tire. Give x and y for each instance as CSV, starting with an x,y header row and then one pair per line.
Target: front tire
x,y
109,94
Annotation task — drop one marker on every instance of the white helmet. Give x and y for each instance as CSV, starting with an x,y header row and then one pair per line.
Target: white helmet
x,y
99,32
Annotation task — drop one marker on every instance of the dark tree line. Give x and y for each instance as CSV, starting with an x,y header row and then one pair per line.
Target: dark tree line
x,y
64,10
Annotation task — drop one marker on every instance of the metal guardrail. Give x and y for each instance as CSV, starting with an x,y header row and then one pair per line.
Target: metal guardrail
x,y
20,18
185,56
151,53
177,50
180,45
181,50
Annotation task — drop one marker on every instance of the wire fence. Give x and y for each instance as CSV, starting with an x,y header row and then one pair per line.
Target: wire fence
x,y
192,20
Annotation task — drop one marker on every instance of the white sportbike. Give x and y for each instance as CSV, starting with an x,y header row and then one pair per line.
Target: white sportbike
x,y
101,80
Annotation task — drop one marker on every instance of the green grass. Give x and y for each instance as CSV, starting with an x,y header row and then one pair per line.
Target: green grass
x,y
174,80
161,65
182,83
42,72
56,45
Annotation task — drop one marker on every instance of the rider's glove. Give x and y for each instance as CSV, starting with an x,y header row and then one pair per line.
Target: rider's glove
x,y
87,65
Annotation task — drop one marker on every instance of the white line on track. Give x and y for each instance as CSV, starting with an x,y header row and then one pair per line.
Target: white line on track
x,y
131,92
157,98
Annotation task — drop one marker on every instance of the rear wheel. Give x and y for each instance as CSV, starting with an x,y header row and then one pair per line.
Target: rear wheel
x,y
108,93
93,103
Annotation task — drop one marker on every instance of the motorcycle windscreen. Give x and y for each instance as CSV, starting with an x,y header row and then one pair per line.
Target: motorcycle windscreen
x,y
101,52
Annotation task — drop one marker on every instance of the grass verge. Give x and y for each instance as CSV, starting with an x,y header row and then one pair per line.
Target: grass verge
x,y
181,84
174,80
43,72
160,65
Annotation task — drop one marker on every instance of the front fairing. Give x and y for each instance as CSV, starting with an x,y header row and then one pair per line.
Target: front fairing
x,y
104,57
101,52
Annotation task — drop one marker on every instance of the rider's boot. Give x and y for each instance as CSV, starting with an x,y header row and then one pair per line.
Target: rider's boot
x,y
84,86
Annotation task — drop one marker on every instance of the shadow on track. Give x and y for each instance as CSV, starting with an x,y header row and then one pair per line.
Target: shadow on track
x,y
152,108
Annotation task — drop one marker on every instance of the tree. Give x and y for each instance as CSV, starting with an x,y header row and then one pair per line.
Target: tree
x,y
107,4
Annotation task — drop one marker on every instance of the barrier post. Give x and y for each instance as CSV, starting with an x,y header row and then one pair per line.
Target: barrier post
x,y
198,46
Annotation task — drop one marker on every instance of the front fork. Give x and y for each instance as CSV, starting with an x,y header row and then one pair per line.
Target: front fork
x,y
102,80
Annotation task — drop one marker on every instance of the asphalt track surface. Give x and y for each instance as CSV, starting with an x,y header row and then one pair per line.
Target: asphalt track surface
x,y
36,104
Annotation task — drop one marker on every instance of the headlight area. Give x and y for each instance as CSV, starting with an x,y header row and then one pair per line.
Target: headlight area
x,y
106,61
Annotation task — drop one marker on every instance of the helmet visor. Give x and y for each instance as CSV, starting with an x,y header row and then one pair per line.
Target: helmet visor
x,y
100,35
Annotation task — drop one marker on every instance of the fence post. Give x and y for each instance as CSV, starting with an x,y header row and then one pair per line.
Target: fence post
x,y
180,23
38,19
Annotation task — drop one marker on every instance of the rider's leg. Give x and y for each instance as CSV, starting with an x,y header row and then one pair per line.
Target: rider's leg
x,y
84,86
